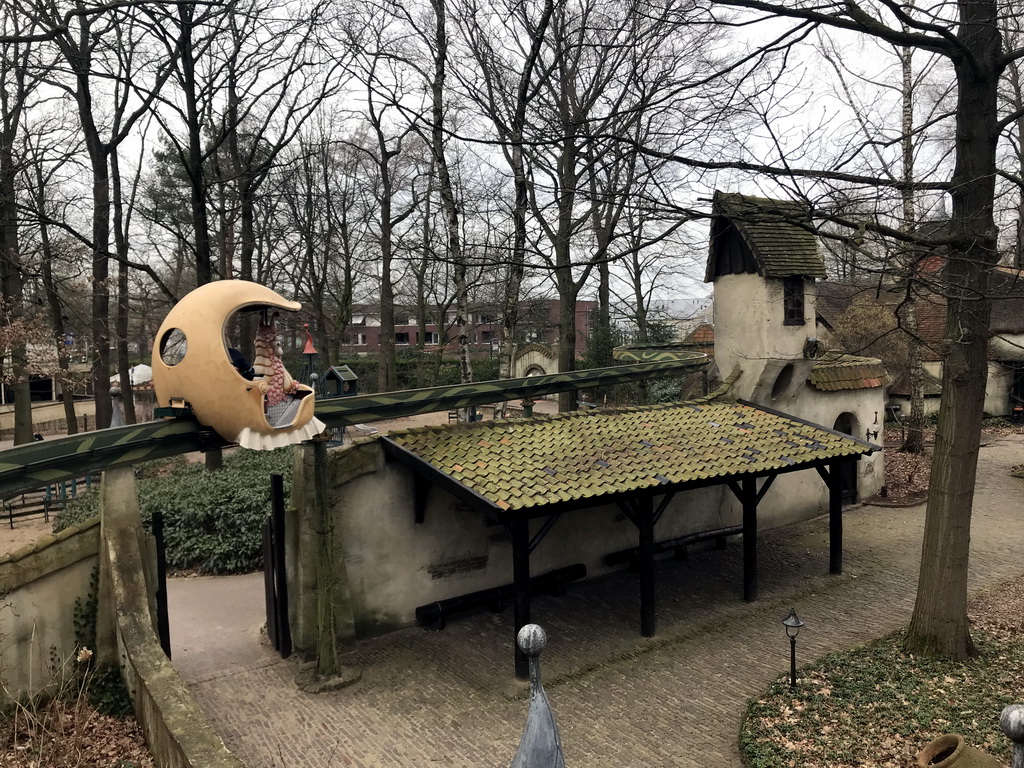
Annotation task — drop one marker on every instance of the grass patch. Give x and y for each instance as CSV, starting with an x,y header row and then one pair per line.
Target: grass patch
x,y
878,706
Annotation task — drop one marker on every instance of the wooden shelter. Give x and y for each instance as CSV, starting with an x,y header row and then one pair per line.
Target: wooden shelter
x,y
636,458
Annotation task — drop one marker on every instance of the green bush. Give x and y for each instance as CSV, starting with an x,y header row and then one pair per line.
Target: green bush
x,y
212,520
108,694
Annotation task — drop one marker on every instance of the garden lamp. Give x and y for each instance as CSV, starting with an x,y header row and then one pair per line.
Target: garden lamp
x,y
792,624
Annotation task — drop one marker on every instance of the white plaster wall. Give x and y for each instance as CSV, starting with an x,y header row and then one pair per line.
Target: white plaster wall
x,y
749,328
534,356
799,399
997,389
1007,346
37,625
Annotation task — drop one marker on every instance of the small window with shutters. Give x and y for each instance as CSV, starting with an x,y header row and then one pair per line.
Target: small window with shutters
x,y
793,300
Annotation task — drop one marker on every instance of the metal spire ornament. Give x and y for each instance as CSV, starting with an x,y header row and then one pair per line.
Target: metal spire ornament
x,y
540,746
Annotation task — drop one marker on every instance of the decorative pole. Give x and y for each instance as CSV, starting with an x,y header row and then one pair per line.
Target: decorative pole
x,y
540,746
1012,723
309,352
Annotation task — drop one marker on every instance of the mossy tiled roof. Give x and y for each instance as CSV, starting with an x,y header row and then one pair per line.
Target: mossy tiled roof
x,y
776,231
525,464
836,371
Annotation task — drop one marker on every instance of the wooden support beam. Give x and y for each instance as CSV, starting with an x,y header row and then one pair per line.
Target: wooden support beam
x,y
645,524
520,531
765,486
663,505
749,500
547,525
421,492
823,471
628,509
733,486
835,519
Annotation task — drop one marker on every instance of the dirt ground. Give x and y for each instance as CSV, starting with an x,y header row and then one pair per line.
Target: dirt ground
x,y
25,531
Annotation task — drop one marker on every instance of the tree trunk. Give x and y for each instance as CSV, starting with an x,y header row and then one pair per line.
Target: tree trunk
x,y
56,308
567,346
11,285
451,208
939,623
915,434
121,244
194,157
914,442
100,322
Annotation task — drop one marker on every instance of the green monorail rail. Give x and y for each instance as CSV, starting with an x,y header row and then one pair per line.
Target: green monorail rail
x,y
39,464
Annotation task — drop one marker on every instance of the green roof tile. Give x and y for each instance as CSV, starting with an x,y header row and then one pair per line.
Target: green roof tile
x,y
836,371
568,457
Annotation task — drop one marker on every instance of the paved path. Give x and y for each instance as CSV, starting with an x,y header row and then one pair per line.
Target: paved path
x,y
448,698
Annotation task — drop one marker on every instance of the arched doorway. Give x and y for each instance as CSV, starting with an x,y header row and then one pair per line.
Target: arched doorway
x,y
847,424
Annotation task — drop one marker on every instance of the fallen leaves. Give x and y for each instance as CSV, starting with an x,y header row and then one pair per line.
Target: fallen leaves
x,y
876,706
67,734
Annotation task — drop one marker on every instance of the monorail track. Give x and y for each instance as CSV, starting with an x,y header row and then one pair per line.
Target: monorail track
x,y
38,464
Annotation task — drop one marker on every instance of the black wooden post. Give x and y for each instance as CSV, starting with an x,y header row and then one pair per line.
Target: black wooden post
x,y
163,621
520,530
280,576
645,524
835,518
749,485
270,600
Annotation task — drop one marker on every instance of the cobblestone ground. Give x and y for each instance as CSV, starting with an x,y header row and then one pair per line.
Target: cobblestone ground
x,y
449,698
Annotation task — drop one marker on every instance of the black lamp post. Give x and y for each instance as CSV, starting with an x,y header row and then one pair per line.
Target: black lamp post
x,y
792,624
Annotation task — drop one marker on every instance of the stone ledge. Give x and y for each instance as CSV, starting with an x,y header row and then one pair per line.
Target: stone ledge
x,y
48,554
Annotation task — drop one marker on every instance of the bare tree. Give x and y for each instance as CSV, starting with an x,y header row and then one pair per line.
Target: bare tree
x,y
967,34
110,52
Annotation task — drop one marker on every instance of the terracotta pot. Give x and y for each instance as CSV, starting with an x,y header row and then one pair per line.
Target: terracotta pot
x,y
950,751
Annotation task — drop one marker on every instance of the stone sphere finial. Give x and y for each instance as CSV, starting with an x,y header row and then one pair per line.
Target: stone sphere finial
x,y
532,639
115,391
1012,722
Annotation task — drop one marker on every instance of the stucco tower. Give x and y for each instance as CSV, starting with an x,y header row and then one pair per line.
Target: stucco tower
x,y
763,262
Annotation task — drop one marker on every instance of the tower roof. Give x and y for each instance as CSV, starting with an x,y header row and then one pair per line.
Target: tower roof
x,y
763,236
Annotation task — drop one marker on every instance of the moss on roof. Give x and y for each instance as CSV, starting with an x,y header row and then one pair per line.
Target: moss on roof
x,y
777,233
519,465
837,370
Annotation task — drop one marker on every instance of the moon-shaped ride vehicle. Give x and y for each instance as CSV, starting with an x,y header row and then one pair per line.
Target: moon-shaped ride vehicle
x,y
258,406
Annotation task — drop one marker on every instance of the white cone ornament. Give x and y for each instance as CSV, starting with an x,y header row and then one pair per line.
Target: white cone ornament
x,y
192,362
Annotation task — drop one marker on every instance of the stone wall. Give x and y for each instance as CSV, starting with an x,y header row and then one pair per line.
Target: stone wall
x,y
176,730
39,587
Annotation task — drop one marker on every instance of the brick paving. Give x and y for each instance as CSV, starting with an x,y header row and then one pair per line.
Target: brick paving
x,y
449,699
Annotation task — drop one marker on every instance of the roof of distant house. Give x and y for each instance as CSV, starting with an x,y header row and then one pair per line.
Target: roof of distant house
x,y
777,235
901,386
837,370
701,335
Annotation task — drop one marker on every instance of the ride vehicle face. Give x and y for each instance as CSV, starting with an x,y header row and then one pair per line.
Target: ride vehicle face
x,y
192,362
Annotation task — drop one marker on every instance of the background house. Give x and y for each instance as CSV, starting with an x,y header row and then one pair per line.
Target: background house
x,y
538,325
